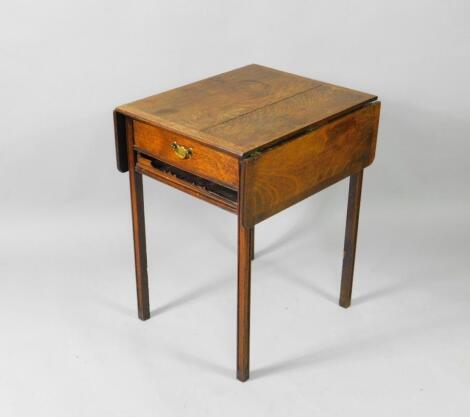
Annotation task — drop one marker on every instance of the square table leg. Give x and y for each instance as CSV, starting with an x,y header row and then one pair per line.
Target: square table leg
x,y
138,226
252,242
352,223
243,302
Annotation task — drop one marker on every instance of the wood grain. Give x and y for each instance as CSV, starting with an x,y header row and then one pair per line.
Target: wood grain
x,y
222,97
243,292
243,304
284,175
205,162
271,124
245,109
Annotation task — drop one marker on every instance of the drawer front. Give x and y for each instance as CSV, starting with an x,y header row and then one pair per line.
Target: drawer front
x,y
296,169
186,154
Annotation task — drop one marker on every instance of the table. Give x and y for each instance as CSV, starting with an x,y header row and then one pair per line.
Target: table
x,y
253,141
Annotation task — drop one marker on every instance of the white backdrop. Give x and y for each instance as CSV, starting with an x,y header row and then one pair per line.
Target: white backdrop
x,y
70,340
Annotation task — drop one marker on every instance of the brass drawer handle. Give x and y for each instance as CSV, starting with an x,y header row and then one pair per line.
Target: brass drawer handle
x,y
181,151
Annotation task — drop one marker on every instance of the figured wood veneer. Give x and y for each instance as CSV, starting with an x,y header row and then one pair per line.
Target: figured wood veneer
x,y
288,173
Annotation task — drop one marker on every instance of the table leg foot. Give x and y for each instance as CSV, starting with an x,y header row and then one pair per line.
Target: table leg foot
x,y
352,222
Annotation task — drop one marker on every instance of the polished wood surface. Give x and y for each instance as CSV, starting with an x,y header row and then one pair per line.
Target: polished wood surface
x,y
269,125
252,242
261,140
287,174
245,249
243,303
205,162
246,109
200,105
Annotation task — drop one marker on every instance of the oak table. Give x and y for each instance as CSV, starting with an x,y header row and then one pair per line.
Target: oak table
x,y
252,141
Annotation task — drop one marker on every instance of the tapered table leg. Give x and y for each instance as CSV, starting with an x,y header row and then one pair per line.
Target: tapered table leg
x,y
243,306
252,243
138,225
352,222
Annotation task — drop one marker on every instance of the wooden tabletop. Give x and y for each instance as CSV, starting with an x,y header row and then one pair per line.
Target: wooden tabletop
x,y
246,109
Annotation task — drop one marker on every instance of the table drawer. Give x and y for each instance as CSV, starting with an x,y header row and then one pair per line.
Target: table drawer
x,y
186,154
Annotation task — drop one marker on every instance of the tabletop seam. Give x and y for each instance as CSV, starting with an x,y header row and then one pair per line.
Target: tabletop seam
x,y
205,130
